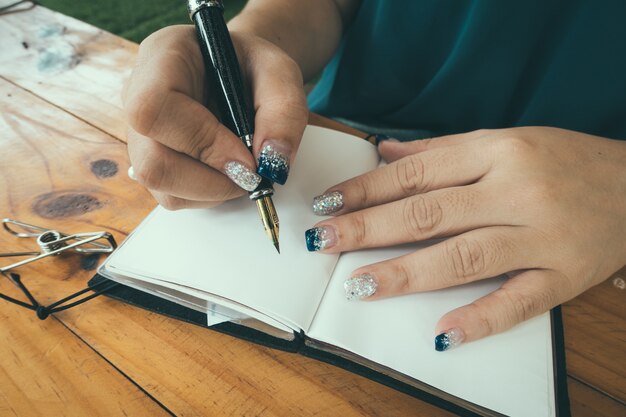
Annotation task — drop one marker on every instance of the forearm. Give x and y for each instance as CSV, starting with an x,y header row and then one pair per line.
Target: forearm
x,y
309,31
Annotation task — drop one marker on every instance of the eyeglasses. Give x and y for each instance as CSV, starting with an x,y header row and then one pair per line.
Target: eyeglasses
x,y
18,6
63,304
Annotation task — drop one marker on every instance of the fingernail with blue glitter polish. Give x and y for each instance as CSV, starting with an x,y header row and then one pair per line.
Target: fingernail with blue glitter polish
x,y
360,286
319,238
449,339
327,203
274,162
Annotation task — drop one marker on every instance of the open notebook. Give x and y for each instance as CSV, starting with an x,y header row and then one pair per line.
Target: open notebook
x,y
219,263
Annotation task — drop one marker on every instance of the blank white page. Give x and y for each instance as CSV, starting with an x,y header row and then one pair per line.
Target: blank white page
x,y
224,251
510,373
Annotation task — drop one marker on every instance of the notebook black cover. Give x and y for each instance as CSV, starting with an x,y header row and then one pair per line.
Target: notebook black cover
x,y
298,345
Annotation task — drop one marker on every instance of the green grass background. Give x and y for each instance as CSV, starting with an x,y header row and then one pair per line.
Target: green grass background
x,y
132,19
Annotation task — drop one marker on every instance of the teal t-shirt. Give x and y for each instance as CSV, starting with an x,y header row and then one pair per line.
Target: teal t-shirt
x,y
449,66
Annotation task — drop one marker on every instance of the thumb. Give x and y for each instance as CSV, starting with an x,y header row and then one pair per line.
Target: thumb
x,y
281,109
528,294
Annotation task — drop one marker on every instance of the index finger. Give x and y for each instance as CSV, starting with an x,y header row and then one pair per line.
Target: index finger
x,y
163,101
414,174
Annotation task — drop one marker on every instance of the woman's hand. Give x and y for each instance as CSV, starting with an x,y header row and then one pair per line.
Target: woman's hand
x,y
178,148
546,206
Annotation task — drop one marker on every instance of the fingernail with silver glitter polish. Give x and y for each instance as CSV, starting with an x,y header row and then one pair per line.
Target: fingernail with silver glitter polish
x,y
319,238
242,175
360,286
274,162
449,339
327,203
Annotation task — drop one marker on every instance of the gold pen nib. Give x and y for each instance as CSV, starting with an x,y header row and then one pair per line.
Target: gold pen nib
x,y
269,219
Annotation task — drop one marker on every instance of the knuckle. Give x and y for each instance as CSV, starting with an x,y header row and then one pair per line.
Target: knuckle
x,y
403,278
488,324
362,193
204,152
467,258
521,307
151,172
143,109
410,175
201,142
517,145
524,306
359,230
291,66
423,216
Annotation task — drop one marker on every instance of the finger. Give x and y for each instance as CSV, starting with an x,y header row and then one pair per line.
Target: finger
x,y
170,202
163,170
163,102
186,126
527,295
471,256
281,110
170,57
394,150
423,216
414,174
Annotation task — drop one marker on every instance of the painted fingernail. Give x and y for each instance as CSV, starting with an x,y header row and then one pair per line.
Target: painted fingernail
x,y
274,163
327,203
242,175
359,287
449,339
319,238
131,173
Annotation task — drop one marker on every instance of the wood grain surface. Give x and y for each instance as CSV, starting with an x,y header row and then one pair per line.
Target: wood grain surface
x,y
63,164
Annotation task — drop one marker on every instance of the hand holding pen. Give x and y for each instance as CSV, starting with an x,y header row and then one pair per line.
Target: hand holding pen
x,y
178,147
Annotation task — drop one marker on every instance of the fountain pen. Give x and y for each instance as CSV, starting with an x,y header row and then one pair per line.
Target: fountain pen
x,y
221,62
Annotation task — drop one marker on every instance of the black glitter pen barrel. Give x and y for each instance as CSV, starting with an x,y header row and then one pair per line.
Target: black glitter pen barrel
x,y
220,61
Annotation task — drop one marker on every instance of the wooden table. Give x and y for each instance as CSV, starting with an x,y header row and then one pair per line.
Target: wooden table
x,y
63,165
